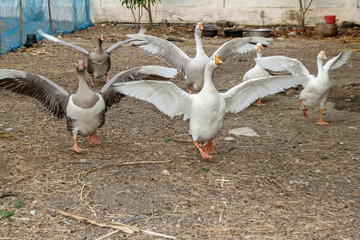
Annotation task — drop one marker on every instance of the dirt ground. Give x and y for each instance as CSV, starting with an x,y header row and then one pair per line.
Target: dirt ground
x,y
296,180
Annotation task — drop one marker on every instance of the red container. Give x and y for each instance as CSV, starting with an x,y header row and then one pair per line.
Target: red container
x,y
330,19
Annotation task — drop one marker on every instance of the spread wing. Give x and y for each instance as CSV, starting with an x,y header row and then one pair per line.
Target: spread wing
x,y
162,49
116,45
337,61
57,40
282,63
242,95
239,46
166,96
48,93
111,96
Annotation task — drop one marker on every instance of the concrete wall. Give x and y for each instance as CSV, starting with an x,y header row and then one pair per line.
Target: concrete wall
x,y
241,12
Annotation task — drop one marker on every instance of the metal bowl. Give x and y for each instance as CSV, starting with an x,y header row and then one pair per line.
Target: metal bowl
x,y
258,32
210,32
233,33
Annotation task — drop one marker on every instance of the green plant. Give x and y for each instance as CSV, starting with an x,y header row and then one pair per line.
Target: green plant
x,y
5,213
19,204
167,139
206,169
324,157
140,4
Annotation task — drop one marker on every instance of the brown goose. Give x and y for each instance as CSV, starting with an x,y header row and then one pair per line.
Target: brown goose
x,y
84,110
99,61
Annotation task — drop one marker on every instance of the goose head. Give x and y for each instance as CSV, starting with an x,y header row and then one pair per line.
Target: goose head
x,y
100,42
322,55
258,47
199,27
81,68
217,60
214,62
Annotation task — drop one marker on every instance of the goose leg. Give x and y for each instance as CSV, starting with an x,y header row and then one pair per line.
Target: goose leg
x,y
259,103
203,154
107,78
303,107
188,89
92,83
75,147
320,121
209,148
93,139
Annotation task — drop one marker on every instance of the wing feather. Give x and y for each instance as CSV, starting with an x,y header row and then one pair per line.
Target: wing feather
x,y
57,40
166,96
242,95
116,45
48,93
282,63
112,97
337,61
162,49
239,46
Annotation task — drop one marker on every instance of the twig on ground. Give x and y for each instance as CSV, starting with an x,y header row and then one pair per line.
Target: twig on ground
x,y
108,235
282,188
119,226
84,201
148,232
123,227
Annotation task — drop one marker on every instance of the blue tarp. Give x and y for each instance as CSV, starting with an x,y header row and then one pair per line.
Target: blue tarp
x,y
66,16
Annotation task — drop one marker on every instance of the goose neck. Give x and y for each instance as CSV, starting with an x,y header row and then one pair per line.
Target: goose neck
x,y
208,75
199,47
83,86
320,65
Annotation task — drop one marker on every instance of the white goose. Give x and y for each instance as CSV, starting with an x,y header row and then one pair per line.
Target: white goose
x,y
207,108
84,110
192,68
316,89
99,61
257,71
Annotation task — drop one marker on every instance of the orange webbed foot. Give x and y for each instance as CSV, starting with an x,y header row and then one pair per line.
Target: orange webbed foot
x,y
94,139
76,149
321,122
259,103
209,148
203,154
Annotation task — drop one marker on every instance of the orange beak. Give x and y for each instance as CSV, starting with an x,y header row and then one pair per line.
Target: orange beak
x,y
218,61
201,27
81,65
101,37
259,48
323,55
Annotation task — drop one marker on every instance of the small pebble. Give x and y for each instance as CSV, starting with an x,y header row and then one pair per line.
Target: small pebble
x,y
165,172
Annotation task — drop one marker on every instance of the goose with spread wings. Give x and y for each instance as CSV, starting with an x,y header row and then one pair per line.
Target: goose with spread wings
x,y
192,68
257,71
99,61
316,89
207,108
84,110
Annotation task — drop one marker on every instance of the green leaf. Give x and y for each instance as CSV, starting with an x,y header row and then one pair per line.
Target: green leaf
x,y
206,169
167,139
324,157
5,213
19,204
